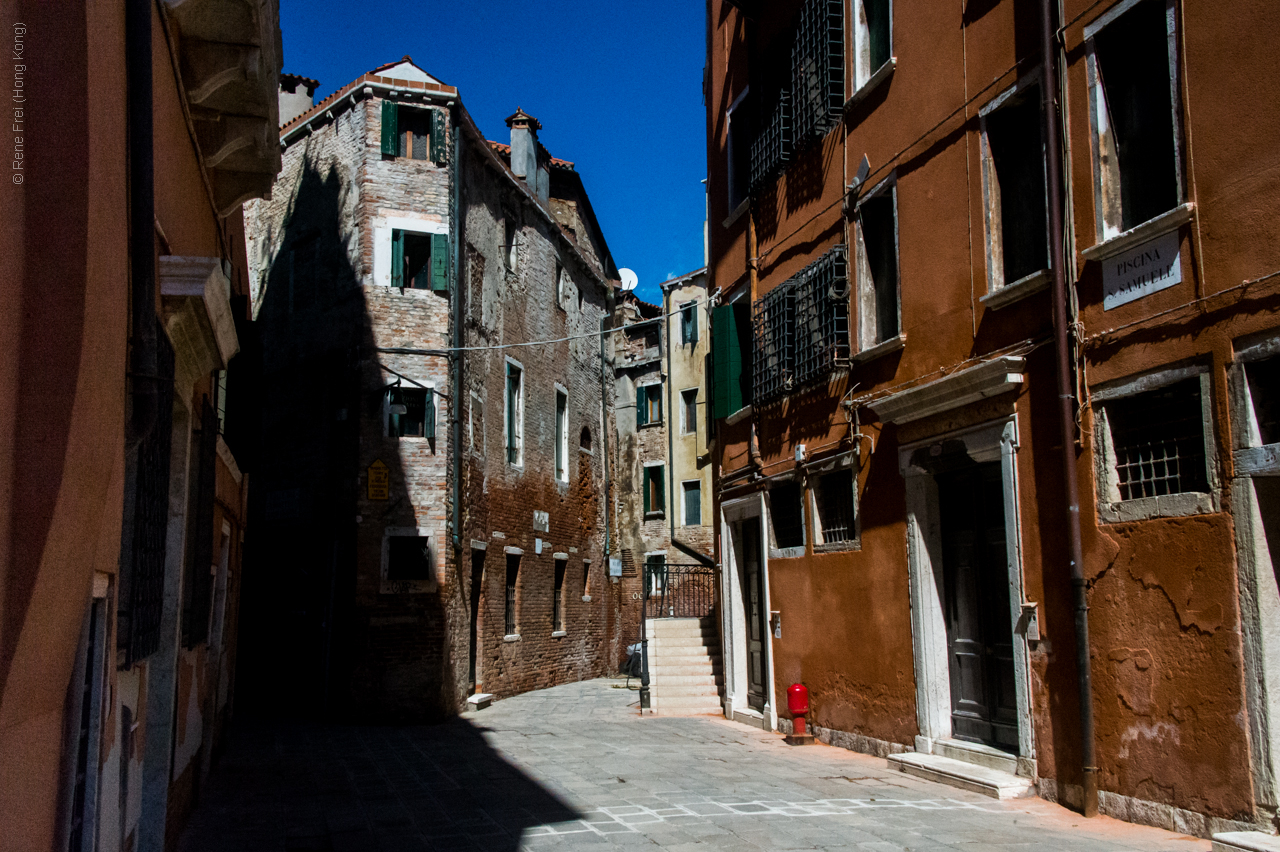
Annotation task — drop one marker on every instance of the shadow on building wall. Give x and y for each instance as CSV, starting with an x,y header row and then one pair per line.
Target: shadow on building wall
x,y
307,598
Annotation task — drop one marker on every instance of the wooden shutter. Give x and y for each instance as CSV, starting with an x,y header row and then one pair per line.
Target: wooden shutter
x,y
439,261
390,128
397,259
645,488
642,406
659,489
438,147
429,414
730,340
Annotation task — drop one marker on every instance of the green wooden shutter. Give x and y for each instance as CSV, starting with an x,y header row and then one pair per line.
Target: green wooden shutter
x,y
390,128
655,393
397,258
693,323
642,407
438,147
730,341
439,261
659,489
647,475
429,415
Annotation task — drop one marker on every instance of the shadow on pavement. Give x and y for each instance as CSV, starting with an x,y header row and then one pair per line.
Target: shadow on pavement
x,y
315,788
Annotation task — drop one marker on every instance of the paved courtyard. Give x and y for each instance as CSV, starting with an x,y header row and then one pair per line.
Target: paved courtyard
x,y
575,768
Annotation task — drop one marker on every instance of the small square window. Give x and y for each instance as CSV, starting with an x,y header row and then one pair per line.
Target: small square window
x,y
410,412
692,494
419,261
878,299
786,511
408,561
648,405
835,521
689,411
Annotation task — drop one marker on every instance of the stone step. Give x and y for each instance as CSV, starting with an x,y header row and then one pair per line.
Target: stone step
x,y
965,776
1248,841
983,755
684,667
683,642
708,680
688,703
685,689
681,657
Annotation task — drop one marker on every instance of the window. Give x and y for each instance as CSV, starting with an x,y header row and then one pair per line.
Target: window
x,y
649,404
1131,53
562,436
655,573
557,599
817,69
1155,446
802,328
410,412
692,494
197,590
689,323
876,226
872,38
584,439
415,133
513,577
654,492
509,249
1264,398
786,511
689,411
738,149
731,358
515,414
419,261
834,518
220,399
1013,171
586,577
564,286
408,563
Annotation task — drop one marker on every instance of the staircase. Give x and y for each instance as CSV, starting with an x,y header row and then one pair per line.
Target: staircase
x,y
684,666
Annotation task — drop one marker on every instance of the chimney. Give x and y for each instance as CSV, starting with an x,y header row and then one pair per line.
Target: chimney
x,y
297,95
527,159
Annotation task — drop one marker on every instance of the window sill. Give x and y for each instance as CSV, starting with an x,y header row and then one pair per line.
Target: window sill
x,y
511,637
786,552
1167,506
893,344
838,546
737,213
1148,230
1258,461
559,634
650,423
1020,289
655,516
884,72
586,598
738,416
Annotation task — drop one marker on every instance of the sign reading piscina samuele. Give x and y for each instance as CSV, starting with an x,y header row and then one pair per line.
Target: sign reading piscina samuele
x,y
1141,271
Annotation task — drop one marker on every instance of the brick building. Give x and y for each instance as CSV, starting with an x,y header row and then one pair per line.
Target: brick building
x,y
944,239
432,509
123,505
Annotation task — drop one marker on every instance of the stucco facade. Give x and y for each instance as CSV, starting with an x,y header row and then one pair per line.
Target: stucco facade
x,y
921,181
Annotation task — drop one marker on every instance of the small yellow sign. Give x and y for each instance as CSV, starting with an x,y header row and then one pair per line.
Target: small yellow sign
x,y
379,481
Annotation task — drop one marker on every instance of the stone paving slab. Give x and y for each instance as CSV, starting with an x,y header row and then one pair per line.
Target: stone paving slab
x,y
576,768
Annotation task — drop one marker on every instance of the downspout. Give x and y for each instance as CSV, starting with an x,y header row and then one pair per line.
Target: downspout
x,y
1066,400
144,359
604,434
457,355
688,550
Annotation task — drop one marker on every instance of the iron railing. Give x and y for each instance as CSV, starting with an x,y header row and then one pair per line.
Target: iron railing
x,y
679,591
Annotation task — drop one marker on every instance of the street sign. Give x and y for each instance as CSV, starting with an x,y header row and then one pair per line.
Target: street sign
x,y
379,481
1141,271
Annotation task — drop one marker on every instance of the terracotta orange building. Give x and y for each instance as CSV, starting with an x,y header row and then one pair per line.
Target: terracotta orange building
x,y
994,390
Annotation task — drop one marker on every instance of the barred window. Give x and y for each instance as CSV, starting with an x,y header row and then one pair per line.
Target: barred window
x,y
513,576
1157,439
771,150
833,497
557,598
817,69
802,328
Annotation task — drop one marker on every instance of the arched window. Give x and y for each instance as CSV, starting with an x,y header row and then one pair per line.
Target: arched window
x,y
584,440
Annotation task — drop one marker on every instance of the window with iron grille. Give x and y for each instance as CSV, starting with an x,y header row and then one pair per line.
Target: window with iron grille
x,y
822,318
774,321
833,496
817,69
198,587
786,511
557,599
771,150
655,573
513,576
142,589
802,328
1157,441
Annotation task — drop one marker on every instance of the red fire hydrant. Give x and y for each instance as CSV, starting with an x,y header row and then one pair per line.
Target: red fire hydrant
x,y
798,704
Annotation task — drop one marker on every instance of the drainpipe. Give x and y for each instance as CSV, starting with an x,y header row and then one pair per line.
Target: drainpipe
x,y
1066,400
143,361
455,282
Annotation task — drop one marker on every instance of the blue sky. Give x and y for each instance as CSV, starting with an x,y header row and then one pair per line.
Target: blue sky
x,y
617,87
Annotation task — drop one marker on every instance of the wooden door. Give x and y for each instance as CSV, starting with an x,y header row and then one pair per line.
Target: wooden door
x,y
979,620
754,606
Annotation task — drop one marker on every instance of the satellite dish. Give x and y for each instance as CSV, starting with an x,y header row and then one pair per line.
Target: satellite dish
x,y
629,279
